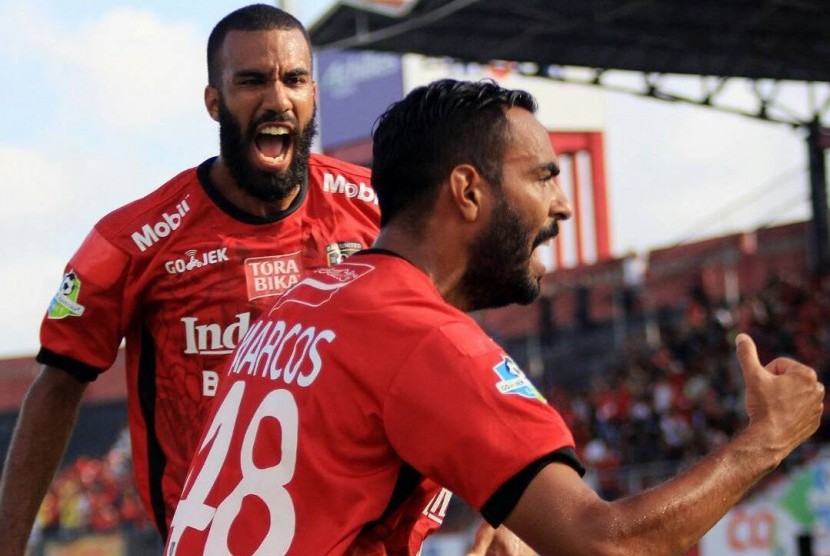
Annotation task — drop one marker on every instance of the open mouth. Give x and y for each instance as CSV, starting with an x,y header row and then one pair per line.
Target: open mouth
x,y
541,258
274,143
540,253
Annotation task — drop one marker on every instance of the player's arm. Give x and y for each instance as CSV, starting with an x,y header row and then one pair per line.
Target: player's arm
x,y
43,429
559,514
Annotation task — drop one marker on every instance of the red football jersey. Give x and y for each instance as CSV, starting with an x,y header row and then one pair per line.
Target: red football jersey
x,y
181,274
359,382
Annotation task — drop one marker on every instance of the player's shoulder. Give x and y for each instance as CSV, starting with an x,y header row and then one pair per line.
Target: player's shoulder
x,y
466,337
322,164
164,206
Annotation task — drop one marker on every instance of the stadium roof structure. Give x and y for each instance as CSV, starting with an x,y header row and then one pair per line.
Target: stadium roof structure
x,y
773,41
756,39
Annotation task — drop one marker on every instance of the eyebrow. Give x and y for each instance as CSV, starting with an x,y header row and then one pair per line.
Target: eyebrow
x,y
248,73
298,72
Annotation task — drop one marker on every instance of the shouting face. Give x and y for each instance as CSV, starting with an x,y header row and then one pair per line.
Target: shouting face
x,y
504,264
265,106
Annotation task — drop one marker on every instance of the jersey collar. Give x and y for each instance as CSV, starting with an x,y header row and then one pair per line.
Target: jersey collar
x,y
203,172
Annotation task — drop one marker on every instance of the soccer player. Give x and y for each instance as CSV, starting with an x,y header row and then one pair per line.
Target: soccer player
x,y
368,376
182,272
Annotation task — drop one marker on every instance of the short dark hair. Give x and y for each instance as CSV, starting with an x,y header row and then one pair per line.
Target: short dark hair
x,y
420,139
256,17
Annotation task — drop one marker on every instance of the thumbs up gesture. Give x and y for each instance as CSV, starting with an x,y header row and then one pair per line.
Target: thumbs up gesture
x,y
784,399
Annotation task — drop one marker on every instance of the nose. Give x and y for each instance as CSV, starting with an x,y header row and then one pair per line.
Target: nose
x,y
560,208
276,97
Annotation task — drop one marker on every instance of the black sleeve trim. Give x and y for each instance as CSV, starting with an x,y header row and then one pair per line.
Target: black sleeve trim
x,y
408,479
502,502
81,371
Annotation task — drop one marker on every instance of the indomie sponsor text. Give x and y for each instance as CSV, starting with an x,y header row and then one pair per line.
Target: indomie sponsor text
x,y
212,338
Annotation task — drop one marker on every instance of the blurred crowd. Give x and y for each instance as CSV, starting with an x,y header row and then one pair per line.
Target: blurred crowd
x,y
663,407
92,496
657,410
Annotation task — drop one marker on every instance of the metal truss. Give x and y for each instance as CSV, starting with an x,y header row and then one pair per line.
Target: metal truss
x,y
797,104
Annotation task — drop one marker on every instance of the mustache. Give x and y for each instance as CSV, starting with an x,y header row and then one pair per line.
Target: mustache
x,y
547,233
271,117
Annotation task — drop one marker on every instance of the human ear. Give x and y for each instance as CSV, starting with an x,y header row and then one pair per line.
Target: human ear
x,y
466,190
212,102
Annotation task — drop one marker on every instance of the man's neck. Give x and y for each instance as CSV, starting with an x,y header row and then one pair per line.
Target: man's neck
x,y
444,266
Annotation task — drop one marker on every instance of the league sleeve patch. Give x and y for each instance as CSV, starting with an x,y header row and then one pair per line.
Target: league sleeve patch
x,y
513,380
65,303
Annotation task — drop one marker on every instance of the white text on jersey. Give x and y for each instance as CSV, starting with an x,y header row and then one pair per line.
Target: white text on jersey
x,y
277,350
267,276
212,339
149,235
436,510
338,184
207,258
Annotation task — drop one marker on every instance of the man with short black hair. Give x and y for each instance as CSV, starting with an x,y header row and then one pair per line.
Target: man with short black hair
x,y
182,272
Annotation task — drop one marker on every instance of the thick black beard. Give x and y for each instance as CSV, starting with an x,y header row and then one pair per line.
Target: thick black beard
x,y
499,270
265,186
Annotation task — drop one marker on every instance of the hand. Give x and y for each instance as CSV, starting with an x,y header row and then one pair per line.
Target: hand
x,y
498,542
784,400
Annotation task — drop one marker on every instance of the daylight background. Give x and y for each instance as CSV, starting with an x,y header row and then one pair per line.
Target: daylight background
x,y
101,102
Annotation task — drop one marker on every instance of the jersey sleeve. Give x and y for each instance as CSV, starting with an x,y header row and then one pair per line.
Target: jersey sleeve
x,y
84,324
461,412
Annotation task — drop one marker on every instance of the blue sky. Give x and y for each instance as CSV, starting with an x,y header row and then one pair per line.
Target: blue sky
x,y
102,102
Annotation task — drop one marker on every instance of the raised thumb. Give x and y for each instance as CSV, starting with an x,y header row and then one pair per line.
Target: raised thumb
x,y
747,354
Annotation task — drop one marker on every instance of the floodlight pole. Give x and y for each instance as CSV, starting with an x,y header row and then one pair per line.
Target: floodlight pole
x,y
818,140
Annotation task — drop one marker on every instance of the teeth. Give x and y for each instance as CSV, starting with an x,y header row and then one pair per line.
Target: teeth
x,y
275,130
